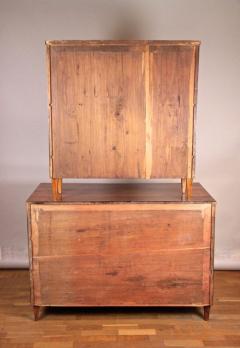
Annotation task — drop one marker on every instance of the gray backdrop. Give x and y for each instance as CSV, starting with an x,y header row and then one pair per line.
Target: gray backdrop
x,y
26,24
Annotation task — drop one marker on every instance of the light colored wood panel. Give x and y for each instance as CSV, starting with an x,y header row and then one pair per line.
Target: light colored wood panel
x,y
166,278
78,230
172,91
98,112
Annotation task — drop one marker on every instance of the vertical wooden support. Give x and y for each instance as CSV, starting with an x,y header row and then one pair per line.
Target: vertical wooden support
x,y
191,125
186,184
211,280
189,182
148,82
206,312
36,311
57,189
183,186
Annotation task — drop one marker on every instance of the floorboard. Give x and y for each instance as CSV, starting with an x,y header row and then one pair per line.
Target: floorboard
x,y
116,327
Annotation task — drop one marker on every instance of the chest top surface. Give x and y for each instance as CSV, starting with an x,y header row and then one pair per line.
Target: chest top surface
x,y
125,193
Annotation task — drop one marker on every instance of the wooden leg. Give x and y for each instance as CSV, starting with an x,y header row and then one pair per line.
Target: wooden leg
x,y
206,313
36,311
57,189
189,187
184,186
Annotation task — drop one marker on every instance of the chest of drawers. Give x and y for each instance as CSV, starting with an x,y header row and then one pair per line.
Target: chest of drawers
x,y
121,245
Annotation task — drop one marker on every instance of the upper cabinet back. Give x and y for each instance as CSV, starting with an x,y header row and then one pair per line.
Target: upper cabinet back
x,y
122,109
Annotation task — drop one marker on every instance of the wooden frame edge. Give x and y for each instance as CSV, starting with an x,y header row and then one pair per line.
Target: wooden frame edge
x,y
30,251
196,70
148,113
50,137
121,42
212,244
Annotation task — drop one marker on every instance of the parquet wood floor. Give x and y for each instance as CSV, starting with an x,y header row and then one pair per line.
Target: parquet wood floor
x,y
116,327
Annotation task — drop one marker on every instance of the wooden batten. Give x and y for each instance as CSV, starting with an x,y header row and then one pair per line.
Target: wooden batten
x,y
191,116
197,49
148,103
122,42
48,59
213,214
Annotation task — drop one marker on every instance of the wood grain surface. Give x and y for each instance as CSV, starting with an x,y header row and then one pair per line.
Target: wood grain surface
x,y
123,279
118,327
121,254
122,109
107,229
132,192
172,72
98,112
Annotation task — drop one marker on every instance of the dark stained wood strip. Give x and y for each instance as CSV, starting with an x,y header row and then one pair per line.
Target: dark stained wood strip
x,y
132,192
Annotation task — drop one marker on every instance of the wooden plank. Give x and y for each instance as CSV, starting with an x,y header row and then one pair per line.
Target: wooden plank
x,y
172,88
98,108
148,122
123,280
197,48
30,249
190,142
114,229
48,60
164,192
212,243
121,42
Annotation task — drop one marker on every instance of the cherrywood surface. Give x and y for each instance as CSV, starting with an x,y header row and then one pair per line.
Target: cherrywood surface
x,y
172,92
123,279
98,111
118,327
122,109
105,229
135,192
120,254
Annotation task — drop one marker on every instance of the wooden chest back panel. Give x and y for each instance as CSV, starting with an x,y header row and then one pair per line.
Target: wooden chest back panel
x,y
121,109
121,254
98,112
84,229
121,279
172,71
